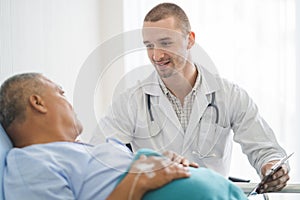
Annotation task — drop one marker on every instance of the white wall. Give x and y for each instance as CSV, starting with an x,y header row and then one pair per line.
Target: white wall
x,y
52,37
102,68
55,37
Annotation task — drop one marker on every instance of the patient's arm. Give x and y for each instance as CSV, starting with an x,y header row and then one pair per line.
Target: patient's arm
x,y
148,173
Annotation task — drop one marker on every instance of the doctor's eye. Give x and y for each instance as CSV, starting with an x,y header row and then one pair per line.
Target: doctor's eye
x,y
149,46
166,44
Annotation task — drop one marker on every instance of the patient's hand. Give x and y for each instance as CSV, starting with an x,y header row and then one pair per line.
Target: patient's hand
x,y
278,181
180,159
153,172
148,173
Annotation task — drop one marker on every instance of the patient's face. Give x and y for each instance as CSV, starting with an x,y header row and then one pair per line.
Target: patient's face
x,y
60,111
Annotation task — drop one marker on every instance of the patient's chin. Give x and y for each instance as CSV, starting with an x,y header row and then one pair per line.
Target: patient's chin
x,y
78,127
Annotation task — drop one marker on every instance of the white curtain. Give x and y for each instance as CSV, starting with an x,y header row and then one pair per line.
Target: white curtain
x,y
252,43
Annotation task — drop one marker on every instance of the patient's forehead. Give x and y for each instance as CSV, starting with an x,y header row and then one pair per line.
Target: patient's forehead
x,y
49,83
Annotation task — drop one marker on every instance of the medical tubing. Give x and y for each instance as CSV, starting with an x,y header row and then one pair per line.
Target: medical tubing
x,y
131,192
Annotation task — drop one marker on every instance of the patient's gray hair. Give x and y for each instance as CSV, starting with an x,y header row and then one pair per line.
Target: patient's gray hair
x,y
14,94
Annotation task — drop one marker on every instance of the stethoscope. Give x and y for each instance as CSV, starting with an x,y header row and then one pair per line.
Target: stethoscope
x,y
213,105
154,128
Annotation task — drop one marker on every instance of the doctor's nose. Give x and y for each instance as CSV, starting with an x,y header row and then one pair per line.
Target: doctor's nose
x,y
158,54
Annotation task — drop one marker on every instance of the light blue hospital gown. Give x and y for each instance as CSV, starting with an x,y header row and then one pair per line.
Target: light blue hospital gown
x,y
65,171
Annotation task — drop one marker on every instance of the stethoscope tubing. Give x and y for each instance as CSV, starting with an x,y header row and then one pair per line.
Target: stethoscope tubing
x,y
149,107
212,104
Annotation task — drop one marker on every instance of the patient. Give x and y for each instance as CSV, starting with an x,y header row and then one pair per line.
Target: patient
x,y
47,163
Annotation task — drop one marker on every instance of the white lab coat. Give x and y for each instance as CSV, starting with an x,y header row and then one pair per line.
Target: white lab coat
x,y
204,142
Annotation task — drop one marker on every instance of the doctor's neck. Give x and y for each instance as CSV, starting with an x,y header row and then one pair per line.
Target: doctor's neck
x,y
182,82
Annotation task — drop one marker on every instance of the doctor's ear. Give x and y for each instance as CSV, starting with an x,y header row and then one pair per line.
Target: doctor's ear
x,y
191,38
37,103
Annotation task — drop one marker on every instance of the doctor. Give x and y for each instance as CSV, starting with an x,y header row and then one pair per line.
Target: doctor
x,y
184,108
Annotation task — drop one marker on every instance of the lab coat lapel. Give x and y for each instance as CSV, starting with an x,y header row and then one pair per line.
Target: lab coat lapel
x,y
165,109
208,85
199,106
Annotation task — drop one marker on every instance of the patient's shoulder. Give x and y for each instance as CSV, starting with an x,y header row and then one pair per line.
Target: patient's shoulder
x,y
57,155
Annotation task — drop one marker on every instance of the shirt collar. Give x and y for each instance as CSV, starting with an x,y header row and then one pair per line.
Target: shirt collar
x,y
163,86
207,82
198,80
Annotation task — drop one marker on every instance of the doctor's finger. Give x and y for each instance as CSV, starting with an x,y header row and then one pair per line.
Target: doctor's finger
x,y
176,157
281,176
283,171
275,188
180,159
278,181
185,162
275,185
171,155
275,180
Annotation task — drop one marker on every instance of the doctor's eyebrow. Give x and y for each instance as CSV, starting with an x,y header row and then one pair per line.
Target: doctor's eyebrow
x,y
164,39
159,40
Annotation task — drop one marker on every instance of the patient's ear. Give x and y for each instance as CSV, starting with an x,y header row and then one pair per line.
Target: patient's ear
x,y
37,103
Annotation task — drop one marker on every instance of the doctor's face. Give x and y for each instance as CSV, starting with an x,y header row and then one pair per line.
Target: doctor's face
x,y
167,46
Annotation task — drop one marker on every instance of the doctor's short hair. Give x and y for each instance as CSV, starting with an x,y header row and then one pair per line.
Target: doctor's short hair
x,y
165,10
14,94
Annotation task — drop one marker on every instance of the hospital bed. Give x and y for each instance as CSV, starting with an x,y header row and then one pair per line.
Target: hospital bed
x,y
6,145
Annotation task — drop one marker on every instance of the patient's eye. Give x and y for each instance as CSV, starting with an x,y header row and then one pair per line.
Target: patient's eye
x,y
60,90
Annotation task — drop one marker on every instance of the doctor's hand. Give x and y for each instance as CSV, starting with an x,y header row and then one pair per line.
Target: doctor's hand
x,y
179,159
277,181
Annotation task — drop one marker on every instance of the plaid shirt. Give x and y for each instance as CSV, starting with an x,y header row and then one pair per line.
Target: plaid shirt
x,y
183,112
